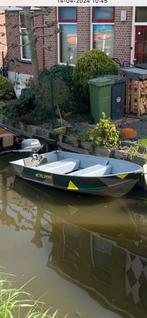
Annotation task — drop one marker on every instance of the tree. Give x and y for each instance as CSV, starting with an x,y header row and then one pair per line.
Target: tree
x,y
32,32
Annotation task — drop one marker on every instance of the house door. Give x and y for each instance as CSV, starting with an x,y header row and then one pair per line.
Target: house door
x,y
141,44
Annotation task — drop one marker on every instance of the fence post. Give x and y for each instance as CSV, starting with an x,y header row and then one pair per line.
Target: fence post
x,y
52,102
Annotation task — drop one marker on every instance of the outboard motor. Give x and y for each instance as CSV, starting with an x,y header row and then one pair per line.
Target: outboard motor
x,y
31,145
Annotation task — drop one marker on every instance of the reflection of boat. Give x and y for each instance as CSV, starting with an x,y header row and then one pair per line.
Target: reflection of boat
x,y
80,173
94,243
107,216
113,272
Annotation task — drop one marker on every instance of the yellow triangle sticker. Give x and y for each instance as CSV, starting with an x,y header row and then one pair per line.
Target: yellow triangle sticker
x,y
122,176
72,186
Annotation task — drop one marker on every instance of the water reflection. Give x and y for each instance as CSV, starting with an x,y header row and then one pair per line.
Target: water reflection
x,y
99,245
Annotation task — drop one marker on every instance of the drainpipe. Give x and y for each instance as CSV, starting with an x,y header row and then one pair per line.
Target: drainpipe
x,y
43,55
133,36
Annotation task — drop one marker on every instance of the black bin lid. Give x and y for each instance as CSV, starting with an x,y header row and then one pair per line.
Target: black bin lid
x,y
116,78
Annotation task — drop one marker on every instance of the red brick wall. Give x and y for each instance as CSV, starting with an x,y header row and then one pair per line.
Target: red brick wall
x,y
122,37
13,38
83,19
3,47
39,21
46,58
51,41
123,31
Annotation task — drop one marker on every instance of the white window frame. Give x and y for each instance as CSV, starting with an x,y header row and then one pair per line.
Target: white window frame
x,y
134,24
96,23
58,38
21,48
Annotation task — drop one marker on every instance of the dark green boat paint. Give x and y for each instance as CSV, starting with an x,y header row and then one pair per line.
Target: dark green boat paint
x,y
108,185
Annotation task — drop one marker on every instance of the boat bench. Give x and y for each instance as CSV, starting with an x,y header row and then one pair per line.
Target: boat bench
x,y
93,171
60,167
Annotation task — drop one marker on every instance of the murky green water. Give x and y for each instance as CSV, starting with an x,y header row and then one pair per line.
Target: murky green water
x,y
88,255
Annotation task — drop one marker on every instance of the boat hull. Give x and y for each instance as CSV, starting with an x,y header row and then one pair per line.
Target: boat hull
x,y
112,185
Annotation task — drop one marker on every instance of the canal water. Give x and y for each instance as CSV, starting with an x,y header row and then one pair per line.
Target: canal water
x,y
87,255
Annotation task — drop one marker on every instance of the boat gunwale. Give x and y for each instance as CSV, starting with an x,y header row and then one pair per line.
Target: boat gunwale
x,y
139,171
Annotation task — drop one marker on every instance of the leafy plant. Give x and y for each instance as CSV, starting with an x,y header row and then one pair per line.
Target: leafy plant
x,y
6,87
92,64
137,150
133,150
105,133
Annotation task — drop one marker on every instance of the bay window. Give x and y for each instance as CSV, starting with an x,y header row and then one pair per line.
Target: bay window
x,y
67,35
103,29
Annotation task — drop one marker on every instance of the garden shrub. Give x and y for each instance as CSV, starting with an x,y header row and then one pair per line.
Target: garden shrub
x,y
67,97
20,109
6,87
92,64
64,72
105,133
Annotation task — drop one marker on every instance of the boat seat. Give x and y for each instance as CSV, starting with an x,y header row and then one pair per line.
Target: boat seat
x,y
93,171
61,166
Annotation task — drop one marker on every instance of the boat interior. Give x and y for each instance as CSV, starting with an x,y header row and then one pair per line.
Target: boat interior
x,y
74,164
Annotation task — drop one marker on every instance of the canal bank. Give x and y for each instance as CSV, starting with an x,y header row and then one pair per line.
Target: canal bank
x,y
69,138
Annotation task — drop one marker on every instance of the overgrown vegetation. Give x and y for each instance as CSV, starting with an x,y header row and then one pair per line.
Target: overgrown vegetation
x,y
17,303
21,109
143,142
36,105
137,150
70,93
6,88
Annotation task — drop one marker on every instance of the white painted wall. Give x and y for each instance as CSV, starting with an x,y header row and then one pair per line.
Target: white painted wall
x,y
19,80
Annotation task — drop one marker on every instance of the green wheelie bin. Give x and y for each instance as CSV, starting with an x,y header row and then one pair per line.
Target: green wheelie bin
x,y
100,97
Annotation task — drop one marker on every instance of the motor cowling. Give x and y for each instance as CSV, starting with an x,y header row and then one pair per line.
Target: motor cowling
x,y
33,145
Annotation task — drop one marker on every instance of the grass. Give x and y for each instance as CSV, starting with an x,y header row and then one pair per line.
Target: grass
x,y
143,141
17,303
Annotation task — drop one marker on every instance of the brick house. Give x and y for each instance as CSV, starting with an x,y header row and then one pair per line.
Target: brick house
x,y
3,46
119,31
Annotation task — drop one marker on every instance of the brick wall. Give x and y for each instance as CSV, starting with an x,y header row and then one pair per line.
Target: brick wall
x,y
13,44
83,19
47,58
3,47
39,21
50,40
122,36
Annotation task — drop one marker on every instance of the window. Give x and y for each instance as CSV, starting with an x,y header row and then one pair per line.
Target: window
x,y
141,14
67,14
103,29
68,35
24,39
103,14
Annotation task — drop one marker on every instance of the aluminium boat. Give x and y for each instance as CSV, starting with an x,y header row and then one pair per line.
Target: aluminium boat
x,y
80,173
